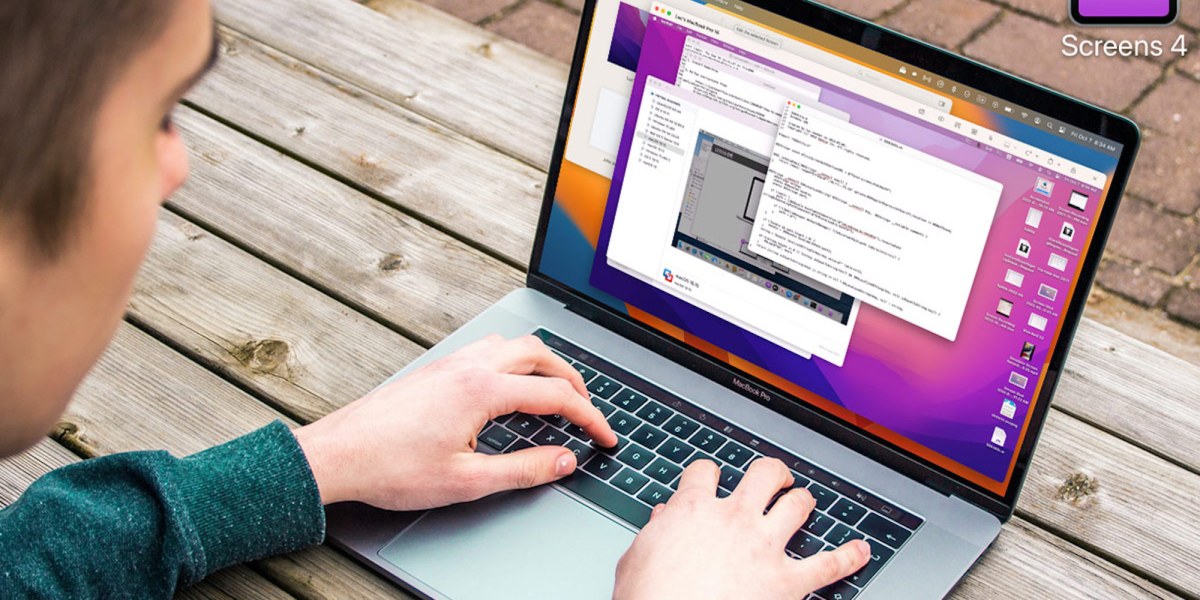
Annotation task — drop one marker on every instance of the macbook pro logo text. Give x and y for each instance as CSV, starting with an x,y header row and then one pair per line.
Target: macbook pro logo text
x,y
1124,12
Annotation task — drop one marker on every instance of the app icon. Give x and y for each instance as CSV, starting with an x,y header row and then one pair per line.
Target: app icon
x,y
1005,308
1124,12
668,275
1027,351
1047,292
1079,201
1014,278
1044,186
1034,218
999,437
1038,322
1023,248
1018,379
1008,409
1067,233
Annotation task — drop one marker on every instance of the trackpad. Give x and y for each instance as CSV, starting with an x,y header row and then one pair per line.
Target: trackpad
x,y
532,544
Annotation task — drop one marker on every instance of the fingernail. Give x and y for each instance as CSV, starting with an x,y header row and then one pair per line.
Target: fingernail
x,y
564,467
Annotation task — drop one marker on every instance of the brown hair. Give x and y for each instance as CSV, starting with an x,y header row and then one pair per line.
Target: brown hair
x,y
58,59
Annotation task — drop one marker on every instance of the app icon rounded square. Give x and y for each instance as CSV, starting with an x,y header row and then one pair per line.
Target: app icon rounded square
x,y
1124,12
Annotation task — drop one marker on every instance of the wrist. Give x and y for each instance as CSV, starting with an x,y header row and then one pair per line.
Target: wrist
x,y
321,462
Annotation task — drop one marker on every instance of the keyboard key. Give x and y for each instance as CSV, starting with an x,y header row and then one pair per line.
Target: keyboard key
x,y
602,466
838,591
847,512
801,481
699,456
840,534
655,494
555,420
735,454
603,386
629,481
676,450
823,495
582,451
629,400
587,372
818,523
708,440
607,497
623,422
805,545
497,437
655,413
723,493
648,436
526,425
550,436
635,456
569,360
879,556
663,471
884,530
605,408
730,477
681,426
519,445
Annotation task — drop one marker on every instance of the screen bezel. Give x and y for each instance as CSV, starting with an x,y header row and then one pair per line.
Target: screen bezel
x,y
931,59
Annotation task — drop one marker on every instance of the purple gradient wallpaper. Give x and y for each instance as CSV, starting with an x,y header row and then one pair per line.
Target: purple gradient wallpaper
x,y
1124,8
627,37
947,396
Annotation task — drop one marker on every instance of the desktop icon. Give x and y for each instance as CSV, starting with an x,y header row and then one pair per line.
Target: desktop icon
x,y
1018,380
1079,201
1008,409
1014,278
1005,308
1023,248
1034,218
999,437
1047,292
1038,322
1027,350
1044,186
1057,262
1067,233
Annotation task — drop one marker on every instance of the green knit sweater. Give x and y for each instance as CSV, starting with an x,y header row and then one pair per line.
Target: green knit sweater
x,y
147,524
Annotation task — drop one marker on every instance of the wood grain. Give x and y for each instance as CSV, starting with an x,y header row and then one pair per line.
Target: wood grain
x,y
493,90
465,188
378,259
254,323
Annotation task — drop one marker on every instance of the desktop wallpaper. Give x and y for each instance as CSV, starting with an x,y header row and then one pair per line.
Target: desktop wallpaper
x,y
938,399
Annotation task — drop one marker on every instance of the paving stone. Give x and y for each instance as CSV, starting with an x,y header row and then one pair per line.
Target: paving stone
x,y
575,5
546,28
1033,49
1171,107
1189,13
1055,10
467,10
1167,172
1185,306
1190,64
1136,283
943,22
867,9
1154,238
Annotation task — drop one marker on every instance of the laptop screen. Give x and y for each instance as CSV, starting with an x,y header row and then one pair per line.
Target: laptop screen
x,y
888,245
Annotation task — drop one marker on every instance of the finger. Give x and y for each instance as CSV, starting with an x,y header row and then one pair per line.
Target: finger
x,y
699,478
521,469
657,509
764,478
790,511
824,568
528,355
548,396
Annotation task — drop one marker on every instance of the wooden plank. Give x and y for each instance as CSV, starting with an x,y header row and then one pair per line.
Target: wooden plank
x,y
248,320
465,188
144,395
1130,388
1049,567
394,267
491,89
1118,499
18,472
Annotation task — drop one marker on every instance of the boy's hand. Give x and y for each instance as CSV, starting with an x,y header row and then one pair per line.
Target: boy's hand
x,y
411,445
699,546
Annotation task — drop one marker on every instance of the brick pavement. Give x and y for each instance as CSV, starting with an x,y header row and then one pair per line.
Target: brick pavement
x,y
1150,276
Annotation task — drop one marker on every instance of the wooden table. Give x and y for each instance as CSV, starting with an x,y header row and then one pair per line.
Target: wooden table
x,y
364,181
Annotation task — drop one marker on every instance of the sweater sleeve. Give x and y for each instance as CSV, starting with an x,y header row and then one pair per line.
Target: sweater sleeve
x,y
146,524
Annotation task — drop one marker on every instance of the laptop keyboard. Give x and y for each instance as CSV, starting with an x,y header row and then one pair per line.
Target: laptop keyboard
x,y
660,434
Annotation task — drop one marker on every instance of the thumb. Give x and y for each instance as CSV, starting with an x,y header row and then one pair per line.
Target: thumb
x,y
523,469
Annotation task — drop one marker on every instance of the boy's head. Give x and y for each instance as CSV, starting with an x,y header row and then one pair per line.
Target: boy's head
x,y
87,154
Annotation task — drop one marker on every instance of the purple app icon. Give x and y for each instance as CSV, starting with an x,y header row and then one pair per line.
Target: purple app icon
x,y
1124,12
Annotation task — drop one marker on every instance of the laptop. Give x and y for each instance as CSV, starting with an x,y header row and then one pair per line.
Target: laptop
x,y
773,229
